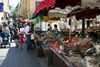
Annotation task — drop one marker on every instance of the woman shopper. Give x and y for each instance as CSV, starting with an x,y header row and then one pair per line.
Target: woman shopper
x,y
21,39
15,36
10,29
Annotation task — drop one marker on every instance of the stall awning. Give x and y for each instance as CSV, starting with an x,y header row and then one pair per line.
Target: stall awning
x,y
46,5
1,7
31,16
87,13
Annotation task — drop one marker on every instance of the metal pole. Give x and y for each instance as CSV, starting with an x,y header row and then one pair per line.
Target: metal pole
x,y
83,27
45,26
40,27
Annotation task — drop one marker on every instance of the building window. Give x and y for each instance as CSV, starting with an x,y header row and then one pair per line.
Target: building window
x,y
37,3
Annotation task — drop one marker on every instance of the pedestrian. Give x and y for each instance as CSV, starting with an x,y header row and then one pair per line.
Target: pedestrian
x,y
4,24
1,28
19,25
10,29
88,23
55,31
25,38
21,39
38,40
32,36
6,27
28,35
49,28
16,33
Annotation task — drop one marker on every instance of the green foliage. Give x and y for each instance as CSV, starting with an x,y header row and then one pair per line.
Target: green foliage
x,y
14,14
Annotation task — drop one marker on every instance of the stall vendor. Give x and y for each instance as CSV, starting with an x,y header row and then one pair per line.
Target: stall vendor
x,y
38,40
55,31
49,28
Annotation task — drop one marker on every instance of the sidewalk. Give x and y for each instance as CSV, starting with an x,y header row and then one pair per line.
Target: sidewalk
x,y
17,57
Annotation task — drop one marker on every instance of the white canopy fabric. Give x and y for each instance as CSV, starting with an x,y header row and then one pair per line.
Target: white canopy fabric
x,y
90,3
98,17
57,12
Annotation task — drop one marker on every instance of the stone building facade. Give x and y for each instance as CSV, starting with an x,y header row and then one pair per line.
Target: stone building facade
x,y
5,12
26,8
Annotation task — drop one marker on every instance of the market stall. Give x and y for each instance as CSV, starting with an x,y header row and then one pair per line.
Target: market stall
x,y
71,51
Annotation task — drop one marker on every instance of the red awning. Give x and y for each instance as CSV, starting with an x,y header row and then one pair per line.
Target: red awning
x,y
46,5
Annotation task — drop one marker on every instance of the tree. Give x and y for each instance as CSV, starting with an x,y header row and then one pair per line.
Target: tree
x,y
14,14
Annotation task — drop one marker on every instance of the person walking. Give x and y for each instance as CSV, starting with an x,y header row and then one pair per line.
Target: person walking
x,y
16,33
28,35
10,29
21,39
6,27
1,28
32,36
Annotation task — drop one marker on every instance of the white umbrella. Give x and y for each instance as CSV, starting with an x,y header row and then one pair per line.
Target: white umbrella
x,y
57,12
90,3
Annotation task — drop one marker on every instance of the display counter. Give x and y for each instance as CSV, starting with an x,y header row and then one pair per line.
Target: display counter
x,y
59,61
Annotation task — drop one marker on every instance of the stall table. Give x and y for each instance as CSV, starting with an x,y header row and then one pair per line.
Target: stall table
x,y
59,61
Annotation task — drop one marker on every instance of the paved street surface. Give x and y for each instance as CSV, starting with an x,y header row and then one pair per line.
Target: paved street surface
x,y
17,57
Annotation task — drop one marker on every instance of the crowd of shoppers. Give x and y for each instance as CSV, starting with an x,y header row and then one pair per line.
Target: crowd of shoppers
x,y
28,34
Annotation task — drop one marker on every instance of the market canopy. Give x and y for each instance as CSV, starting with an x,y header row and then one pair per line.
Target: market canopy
x,y
1,6
46,5
31,16
92,13
57,12
85,12
90,3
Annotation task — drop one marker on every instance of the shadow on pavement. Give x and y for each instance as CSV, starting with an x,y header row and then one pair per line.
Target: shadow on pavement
x,y
17,57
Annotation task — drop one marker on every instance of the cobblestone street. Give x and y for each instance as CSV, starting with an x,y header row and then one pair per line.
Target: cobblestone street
x,y
17,57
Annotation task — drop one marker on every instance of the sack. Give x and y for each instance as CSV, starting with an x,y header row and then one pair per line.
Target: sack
x,y
25,38
32,36
39,52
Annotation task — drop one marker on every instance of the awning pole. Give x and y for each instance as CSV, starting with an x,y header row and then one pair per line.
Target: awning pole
x,y
83,27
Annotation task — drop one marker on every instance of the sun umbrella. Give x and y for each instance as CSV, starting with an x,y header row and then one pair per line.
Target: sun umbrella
x,y
57,12
24,21
85,12
90,3
90,13
46,5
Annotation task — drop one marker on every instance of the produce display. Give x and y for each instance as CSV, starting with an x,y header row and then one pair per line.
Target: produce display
x,y
77,50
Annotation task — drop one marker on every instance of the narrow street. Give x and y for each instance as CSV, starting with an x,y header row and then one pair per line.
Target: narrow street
x,y
17,57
